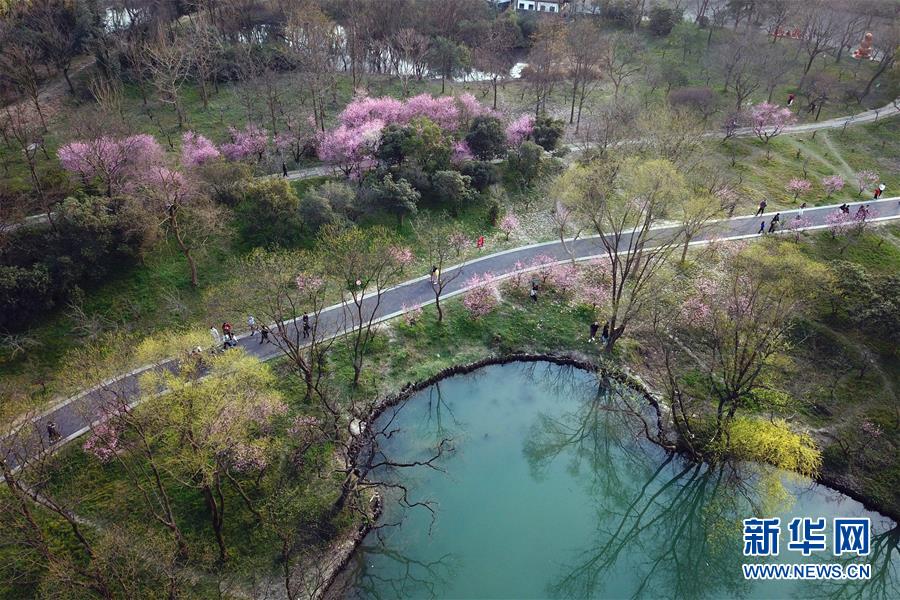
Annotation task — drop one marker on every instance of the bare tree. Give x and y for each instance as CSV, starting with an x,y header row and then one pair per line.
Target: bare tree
x,y
621,60
820,25
169,63
585,49
363,262
494,54
544,69
18,61
439,243
411,48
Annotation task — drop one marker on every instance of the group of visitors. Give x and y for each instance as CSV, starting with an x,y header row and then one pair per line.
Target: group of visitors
x,y
773,224
227,339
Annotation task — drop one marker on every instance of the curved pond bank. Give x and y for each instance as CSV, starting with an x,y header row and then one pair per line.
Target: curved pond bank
x,y
553,491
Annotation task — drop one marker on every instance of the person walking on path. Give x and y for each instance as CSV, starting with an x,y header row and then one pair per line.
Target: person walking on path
x,y
762,207
305,325
845,208
775,220
878,191
251,324
595,327
53,434
217,339
800,211
434,271
264,335
762,228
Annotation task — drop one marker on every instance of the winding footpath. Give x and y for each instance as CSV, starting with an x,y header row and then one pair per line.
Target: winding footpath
x,y
75,415
869,116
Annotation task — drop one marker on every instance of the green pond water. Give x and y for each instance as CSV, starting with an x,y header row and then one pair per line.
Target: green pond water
x,y
552,490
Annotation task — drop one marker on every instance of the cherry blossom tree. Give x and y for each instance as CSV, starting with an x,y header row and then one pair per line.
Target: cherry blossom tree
x,y
351,149
769,120
442,110
832,184
738,313
481,299
797,187
363,109
519,130
440,241
797,225
246,143
115,164
461,152
839,223
866,180
459,241
197,150
508,224
411,314
364,263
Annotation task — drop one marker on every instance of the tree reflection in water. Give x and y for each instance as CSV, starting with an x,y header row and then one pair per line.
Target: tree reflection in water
x,y
662,526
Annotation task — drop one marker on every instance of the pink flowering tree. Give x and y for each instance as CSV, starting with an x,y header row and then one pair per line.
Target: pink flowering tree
x,y
116,165
519,130
442,110
351,149
769,120
866,180
461,153
248,143
197,150
797,225
737,313
840,223
411,314
402,256
832,184
469,108
508,224
593,286
798,187
363,109
459,241
481,300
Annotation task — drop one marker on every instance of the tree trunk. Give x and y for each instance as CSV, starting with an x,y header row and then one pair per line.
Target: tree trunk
x,y
215,513
68,81
495,92
572,109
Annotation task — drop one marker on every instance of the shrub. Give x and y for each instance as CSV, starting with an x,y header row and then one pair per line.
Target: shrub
x,y
482,173
452,190
40,267
547,133
315,212
663,20
268,214
486,137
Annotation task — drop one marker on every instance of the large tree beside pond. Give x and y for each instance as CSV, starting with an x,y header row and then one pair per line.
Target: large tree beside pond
x,y
623,202
735,316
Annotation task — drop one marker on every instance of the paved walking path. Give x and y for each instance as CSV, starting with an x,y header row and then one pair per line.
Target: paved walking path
x,y
74,415
868,116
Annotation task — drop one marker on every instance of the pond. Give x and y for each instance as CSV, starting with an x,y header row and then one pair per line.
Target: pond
x,y
552,490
